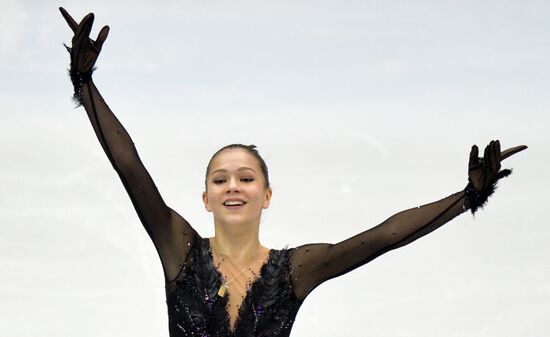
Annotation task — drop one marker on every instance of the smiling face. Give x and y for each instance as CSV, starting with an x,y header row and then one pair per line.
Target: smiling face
x,y
236,191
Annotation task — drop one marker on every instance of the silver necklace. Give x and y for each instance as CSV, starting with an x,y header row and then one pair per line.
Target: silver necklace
x,y
223,288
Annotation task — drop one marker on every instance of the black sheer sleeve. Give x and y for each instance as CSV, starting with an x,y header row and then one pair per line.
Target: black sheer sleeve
x,y
313,264
171,234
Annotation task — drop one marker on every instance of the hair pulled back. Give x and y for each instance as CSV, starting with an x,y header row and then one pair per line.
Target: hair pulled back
x,y
251,149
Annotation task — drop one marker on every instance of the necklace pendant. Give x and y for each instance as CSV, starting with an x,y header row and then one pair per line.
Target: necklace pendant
x,y
222,290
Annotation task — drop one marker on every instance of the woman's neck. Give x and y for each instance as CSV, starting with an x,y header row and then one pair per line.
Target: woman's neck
x,y
238,246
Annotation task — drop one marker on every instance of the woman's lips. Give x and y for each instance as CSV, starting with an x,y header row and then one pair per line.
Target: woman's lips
x,y
234,203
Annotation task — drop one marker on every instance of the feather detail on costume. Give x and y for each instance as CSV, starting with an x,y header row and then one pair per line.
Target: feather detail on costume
x,y
194,308
475,199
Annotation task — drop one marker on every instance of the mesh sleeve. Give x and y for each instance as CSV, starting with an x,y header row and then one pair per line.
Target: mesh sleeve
x,y
312,264
171,234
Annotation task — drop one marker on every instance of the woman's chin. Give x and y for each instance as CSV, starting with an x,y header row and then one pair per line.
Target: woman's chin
x,y
236,220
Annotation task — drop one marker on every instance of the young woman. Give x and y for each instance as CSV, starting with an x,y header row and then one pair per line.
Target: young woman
x,y
229,284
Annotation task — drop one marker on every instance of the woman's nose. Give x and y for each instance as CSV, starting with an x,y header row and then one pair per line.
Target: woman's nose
x,y
233,185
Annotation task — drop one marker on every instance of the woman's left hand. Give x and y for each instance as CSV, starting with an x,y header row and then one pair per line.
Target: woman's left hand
x,y
483,173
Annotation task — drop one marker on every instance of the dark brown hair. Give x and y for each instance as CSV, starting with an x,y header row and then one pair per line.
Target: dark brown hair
x,y
248,148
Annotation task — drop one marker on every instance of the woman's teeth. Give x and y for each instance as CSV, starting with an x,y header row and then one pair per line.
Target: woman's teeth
x,y
234,203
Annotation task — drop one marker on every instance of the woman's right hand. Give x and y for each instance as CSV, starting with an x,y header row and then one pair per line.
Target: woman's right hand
x,y
84,51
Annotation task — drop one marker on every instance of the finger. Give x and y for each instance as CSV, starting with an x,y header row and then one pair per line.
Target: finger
x,y
497,153
70,21
512,151
489,158
495,165
83,30
101,37
79,28
486,165
474,156
487,153
87,22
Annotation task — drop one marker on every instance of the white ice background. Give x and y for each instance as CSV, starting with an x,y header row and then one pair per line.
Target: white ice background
x,y
361,109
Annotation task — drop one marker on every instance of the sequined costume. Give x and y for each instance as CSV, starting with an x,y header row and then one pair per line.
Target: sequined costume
x,y
195,308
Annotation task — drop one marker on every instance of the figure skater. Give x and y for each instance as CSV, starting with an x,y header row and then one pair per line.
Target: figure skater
x,y
230,284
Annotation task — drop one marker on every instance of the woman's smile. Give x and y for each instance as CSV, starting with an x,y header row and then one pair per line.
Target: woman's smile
x,y
234,203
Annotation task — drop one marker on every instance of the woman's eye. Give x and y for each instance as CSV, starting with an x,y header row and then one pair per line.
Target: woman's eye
x,y
218,181
247,180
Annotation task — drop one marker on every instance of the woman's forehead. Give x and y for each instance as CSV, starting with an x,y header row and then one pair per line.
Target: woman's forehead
x,y
234,159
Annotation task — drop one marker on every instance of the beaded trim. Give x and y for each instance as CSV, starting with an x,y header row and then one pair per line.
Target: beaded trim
x,y
78,79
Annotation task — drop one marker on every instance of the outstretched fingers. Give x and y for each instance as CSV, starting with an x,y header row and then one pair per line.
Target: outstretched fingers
x,y
83,29
499,156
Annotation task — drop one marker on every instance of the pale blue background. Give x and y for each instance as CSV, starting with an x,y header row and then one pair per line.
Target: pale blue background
x,y
361,109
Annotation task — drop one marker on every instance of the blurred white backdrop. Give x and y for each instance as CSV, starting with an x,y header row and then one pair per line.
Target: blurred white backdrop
x,y
361,109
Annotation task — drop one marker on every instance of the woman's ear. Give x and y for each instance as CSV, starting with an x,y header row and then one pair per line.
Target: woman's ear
x,y
205,201
267,198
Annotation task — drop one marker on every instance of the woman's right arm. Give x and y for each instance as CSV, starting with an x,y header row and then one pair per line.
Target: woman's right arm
x,y
171,234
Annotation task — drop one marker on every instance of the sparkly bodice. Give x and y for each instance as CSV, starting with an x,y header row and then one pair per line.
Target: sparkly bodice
x,y
195,309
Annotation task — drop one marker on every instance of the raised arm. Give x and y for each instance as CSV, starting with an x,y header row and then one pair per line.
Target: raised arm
x,y
316,263
170,233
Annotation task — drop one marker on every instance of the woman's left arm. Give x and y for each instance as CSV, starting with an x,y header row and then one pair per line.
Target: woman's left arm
x,y
313,264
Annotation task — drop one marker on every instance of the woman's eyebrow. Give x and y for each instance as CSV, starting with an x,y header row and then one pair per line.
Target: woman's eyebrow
x,y
239,169
245,168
